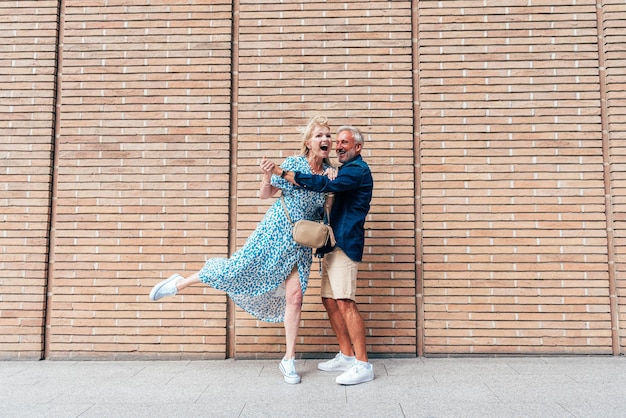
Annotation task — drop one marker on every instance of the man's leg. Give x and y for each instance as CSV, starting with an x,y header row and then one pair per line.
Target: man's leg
x,y
362,371
339,326
355,327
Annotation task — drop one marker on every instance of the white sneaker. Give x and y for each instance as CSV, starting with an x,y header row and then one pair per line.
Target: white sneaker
x,y
359,373
288,369
340,363
165,287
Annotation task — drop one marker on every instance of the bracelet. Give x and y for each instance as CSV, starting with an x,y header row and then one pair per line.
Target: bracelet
x,y
282,175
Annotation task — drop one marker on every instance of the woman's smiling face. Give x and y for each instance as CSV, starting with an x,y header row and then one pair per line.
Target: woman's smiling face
x,y
320,142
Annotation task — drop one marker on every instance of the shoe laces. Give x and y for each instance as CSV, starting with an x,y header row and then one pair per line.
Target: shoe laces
x,y
290,367
354,369
340,358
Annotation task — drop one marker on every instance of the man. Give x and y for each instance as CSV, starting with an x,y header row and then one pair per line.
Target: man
x,y
352,188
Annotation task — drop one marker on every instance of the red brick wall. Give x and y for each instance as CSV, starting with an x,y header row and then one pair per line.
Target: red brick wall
x,y
515,246
613,24
142,184
296,60
495,136
28,32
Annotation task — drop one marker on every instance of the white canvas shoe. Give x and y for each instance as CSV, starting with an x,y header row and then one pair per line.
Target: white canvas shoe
x,y
359,373
288,369
165,287
340,363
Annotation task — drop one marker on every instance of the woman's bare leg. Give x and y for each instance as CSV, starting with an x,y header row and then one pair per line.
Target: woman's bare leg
x,y
293,312
188,281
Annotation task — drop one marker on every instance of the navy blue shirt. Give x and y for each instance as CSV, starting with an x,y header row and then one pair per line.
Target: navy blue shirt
x,y
353,194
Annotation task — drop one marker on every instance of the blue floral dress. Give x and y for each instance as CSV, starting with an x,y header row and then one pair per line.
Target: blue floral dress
x,y
253,275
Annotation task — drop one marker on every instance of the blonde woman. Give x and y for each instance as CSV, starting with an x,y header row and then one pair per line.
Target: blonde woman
x,y
268,276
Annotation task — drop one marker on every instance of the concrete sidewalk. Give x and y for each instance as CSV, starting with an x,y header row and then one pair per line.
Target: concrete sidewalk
x,y
585,386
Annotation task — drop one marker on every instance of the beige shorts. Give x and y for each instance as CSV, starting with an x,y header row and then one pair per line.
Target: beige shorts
x,y
338,276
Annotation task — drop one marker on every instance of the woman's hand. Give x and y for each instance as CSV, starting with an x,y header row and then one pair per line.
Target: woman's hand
x,y
267,190
267,166
331,173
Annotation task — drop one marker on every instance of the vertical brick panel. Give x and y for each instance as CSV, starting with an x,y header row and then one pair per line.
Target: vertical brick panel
x,y
143,177
614,13
515,251
28,32
352,62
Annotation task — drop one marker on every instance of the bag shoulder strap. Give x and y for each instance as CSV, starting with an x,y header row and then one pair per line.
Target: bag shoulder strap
x,y
327,213
331,236
282,200
329,199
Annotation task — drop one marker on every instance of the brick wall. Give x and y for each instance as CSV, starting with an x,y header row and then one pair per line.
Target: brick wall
x,y
495,137
28,37
300,59
142,184
613,68
515,246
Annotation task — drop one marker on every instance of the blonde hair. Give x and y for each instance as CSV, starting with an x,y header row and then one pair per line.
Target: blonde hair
x,y
315,121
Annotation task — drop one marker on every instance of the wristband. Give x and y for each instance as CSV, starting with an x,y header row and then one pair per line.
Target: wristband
x,y
282,175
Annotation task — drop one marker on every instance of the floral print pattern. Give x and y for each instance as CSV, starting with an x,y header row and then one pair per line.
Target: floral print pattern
x,y
253,275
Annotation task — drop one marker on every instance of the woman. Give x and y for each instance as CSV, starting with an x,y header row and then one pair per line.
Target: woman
x,y
268,276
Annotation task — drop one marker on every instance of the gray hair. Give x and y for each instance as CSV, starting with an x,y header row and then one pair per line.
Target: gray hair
x,y
356,134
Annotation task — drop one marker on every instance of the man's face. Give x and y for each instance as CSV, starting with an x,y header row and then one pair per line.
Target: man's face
x,y
345,147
